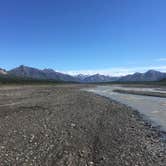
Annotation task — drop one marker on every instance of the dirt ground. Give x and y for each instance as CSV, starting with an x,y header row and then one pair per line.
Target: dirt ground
x,y
63,126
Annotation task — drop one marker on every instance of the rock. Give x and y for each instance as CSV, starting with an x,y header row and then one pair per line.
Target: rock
x,y
73,125
91,163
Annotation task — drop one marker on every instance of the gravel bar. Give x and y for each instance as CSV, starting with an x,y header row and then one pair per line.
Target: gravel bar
x,y
64,126
144,93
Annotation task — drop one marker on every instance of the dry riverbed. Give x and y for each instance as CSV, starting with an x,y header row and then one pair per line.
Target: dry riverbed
x,y
61,125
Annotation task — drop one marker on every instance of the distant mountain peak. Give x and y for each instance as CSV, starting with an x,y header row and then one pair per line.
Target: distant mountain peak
x,y
150,75
81,77
23,66
3,71
27,72
152,71
34,73
137,73
100,78
48,70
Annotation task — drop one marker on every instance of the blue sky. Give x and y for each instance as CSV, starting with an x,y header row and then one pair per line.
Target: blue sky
x,y
88,36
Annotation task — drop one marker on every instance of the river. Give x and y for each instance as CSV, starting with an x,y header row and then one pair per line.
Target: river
x,y
154,108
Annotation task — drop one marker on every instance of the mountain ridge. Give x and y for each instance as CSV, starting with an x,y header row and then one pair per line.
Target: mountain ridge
x,y
150,75
3,71
50,74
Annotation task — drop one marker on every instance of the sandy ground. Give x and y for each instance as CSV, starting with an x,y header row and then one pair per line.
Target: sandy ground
x,y
63,126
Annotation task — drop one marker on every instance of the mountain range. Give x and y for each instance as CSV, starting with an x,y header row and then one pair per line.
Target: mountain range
x,y
25,72
151,75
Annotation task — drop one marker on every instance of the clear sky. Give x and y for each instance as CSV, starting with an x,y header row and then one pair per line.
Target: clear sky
x,y
88,36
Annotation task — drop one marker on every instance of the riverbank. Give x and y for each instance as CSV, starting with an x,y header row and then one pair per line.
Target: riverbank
x,y
144,93
61,125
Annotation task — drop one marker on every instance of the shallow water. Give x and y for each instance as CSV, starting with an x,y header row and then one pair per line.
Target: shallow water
x,y
153,107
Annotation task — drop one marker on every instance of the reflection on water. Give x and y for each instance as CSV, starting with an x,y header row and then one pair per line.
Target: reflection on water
x,y
153,107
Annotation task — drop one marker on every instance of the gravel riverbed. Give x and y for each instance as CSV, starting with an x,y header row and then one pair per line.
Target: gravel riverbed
x,y
64,126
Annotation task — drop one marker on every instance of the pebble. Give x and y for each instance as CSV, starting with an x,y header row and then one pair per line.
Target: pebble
x,y
73,125
91,163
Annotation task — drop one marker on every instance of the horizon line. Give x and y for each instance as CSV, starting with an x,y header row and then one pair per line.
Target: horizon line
x,y
114,72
